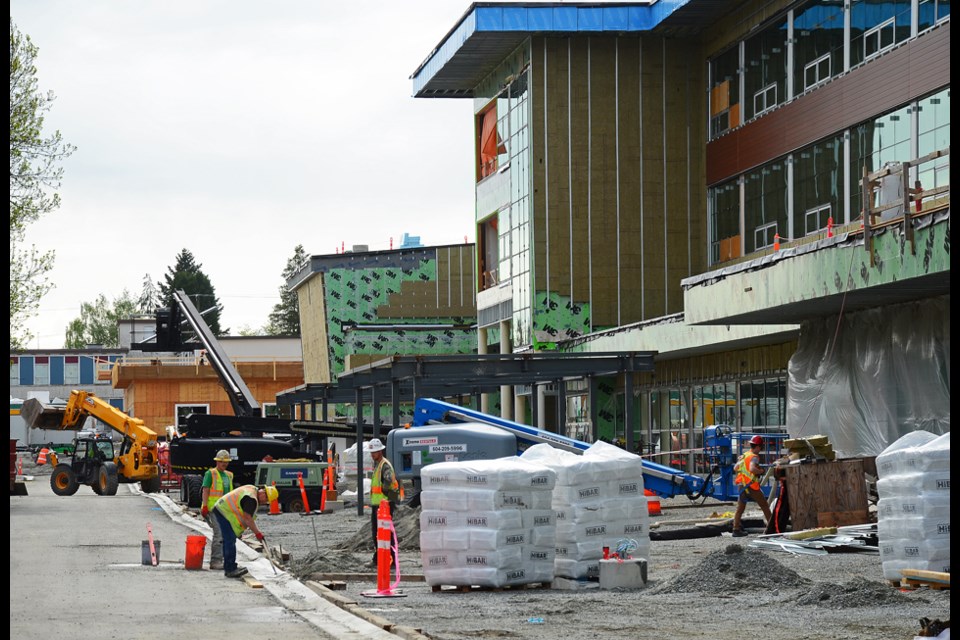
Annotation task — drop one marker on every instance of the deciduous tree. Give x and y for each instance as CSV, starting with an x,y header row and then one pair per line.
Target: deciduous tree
x,y
35,175
97,323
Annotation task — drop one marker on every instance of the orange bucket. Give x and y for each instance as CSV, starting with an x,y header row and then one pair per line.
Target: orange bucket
x,y
195,547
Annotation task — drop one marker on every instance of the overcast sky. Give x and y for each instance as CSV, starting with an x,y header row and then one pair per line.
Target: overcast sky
x,y
237,130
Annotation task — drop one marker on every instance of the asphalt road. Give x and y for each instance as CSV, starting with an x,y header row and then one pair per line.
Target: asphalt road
x,y
76,571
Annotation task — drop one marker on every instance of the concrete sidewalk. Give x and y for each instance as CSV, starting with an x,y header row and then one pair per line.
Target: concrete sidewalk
x,y
76,571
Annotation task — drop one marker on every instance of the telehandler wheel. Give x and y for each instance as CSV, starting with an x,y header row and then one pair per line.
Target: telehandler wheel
x,y
191,488
108,479
63,481
150,485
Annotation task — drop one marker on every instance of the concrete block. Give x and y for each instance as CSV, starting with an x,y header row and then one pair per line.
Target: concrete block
x,y
623,574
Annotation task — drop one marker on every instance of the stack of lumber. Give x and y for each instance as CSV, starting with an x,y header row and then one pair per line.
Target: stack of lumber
x,y
818,447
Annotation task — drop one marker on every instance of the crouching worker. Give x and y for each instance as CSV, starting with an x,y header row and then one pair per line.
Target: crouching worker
x,y
235,512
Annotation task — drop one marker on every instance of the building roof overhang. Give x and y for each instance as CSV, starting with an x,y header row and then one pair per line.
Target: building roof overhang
x,y
489,31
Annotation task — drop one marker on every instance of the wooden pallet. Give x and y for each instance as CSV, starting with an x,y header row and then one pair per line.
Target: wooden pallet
x,y
916,578
462,588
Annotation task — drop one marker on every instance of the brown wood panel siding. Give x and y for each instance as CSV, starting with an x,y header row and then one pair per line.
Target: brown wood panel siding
x,y
580,149
558,182
910,71
603,181
631,253
538,100
654,242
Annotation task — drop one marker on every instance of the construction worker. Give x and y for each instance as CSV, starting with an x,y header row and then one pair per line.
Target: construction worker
x,y
235,512
748,475
217,481
383,486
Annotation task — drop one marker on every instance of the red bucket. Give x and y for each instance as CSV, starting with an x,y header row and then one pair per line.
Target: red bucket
x,y
194,557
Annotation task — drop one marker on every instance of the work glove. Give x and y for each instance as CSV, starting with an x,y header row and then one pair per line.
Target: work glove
x,y
259,536
204,511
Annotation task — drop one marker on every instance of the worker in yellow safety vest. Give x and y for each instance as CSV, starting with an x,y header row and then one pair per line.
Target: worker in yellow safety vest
x,y
383,487
748,475
235,512
217,481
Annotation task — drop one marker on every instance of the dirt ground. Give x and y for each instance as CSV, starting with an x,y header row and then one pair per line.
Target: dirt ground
x,y
718,587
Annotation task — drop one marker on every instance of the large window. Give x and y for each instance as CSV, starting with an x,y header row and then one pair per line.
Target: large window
x,y
765,205
817,43
874,144
724,203
725,92
877,26
933,127
765,69
817,186
932,11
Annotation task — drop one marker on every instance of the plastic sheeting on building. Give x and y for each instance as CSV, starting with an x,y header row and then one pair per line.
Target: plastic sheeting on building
x,y
880,375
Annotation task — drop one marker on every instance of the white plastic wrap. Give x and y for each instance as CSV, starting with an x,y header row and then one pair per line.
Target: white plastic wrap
x,y
913,513
598,502
487,523
882,374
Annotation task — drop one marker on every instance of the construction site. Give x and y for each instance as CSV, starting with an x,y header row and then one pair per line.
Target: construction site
x,y
695,586
691,280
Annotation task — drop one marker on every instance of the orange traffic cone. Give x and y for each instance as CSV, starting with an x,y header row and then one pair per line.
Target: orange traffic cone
x,y
653,502
275,505
303,493
42,456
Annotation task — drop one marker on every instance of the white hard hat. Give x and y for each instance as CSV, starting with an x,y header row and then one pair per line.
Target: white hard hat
x,y
374,445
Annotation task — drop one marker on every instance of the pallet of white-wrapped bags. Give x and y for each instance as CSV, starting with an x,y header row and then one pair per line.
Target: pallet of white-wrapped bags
x,y
487,524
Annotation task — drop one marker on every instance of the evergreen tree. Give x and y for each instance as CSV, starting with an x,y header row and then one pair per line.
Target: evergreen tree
x,y
188,276
285,317
34,178
98,320
149,298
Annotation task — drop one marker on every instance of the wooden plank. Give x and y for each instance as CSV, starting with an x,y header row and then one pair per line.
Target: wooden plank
x,y
252,582
930,576
811,533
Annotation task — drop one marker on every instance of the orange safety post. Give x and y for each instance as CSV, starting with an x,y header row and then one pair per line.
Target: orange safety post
x,y
303,493
653,502
275,504
383,547
830,227
323,493
776,242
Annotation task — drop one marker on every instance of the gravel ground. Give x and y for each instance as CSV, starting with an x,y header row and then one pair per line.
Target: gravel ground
x,y
697,588
717,587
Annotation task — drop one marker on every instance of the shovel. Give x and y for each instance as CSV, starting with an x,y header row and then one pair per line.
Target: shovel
x,y
266,548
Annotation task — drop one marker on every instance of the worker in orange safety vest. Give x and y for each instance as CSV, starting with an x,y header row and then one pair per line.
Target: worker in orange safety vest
x,y
748,475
